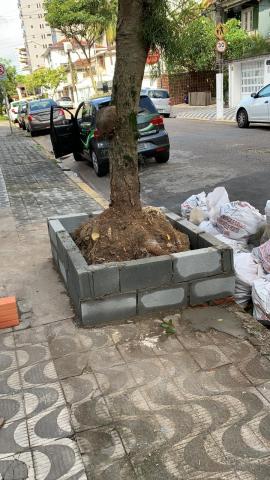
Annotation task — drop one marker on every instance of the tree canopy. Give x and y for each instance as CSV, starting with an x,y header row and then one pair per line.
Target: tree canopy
x,y
42,77
194,48
83,21
8,85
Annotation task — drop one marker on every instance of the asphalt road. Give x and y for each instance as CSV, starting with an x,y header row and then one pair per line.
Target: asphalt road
x,y
204,155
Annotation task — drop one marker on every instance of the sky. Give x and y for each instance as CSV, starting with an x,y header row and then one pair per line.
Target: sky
x,y
10,30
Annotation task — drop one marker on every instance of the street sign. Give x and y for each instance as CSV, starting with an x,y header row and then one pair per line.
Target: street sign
x,y
221,46
153,57
220,31
3,72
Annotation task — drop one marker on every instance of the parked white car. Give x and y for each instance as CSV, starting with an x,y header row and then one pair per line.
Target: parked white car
x,y
65,102
255,108
160,98
13,111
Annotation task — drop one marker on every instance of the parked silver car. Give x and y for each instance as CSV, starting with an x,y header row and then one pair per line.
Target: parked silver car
x,y
160,98
37,117
65,102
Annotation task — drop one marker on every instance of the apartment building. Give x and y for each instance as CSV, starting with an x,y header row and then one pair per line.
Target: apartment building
x,y
38,35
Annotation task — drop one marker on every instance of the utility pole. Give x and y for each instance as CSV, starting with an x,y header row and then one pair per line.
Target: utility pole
x,y
220,48
68,48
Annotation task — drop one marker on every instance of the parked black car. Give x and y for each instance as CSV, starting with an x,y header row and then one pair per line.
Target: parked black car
x,y
80,136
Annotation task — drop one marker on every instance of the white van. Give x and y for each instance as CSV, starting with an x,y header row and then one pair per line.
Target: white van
x,y
161,99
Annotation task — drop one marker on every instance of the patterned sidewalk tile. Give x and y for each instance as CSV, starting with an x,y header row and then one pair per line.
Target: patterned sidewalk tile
x,y
39,399
90,414
31,354
6,342
81,388
13,438
10,383
8,361
208,357
17,467
49,425
12,407
95,339
100,448
72,365
59,460
39,374
115,379
127,404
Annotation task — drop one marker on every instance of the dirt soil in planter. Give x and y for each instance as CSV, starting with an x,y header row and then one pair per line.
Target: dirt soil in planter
x,y
113,238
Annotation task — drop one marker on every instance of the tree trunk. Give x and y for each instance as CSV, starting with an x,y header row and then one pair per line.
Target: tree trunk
x,y
131,53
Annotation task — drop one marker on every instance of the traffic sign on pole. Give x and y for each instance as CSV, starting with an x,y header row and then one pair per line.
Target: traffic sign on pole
x,y
3,72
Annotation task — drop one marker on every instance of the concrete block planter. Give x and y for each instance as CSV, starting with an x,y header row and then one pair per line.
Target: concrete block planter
x,y
116,291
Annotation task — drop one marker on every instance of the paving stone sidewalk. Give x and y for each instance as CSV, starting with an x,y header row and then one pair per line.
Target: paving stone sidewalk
x,y
203,113
33,185
121,402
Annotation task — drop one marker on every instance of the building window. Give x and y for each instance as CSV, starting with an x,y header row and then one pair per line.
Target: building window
x,y
247,19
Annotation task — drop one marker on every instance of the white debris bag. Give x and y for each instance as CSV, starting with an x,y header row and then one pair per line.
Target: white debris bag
x,y
237,247
215,200
261,299
197,216
193,202
262,254
207,227
247,270
238,220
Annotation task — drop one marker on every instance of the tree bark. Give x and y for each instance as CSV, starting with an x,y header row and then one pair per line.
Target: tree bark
x,y
131,54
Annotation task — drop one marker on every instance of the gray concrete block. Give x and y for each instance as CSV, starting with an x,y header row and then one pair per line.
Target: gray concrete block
x,y
163,298
211,288
54,226
73,221
54,255
64,244
145,273
227,259
79,275
63,271
105,279
196,264
173,218
109,309
189,229
206,240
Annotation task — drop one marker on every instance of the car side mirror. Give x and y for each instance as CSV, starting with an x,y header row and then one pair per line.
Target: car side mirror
x,y
254,95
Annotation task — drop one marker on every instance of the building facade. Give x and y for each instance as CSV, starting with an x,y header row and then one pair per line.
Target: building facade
x,y
38,35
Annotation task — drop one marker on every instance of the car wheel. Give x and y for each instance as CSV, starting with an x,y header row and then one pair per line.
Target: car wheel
x,y
162,157
167,115
33,134
242,118
101,169
78,157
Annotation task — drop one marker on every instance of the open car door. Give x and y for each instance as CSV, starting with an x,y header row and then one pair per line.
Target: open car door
x,y
65,138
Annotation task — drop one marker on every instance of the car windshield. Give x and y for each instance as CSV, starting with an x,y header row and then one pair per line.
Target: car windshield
x,y
158,94
66,99
41,105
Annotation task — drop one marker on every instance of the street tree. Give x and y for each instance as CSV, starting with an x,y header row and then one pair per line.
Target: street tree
x,y
126,227
83,22
8,85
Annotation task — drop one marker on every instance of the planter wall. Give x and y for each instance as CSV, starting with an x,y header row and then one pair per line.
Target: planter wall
x,y
114,291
